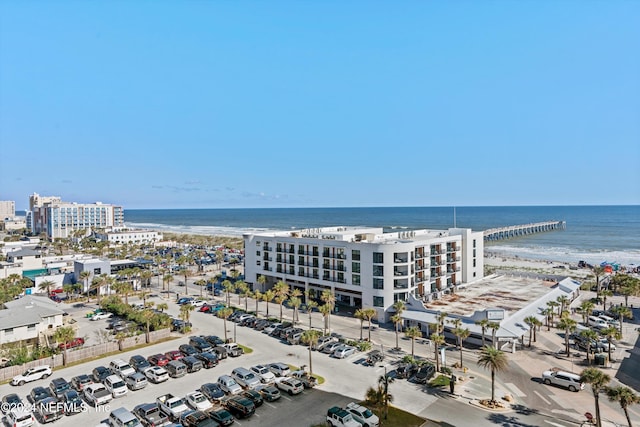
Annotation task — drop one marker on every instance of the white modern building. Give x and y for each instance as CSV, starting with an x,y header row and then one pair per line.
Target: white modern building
x,y
366,267
61,219
7,209
121,235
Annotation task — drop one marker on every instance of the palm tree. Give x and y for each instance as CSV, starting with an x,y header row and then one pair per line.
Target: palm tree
x,y
412,333
552,305
325,310
359,314
589,335
495,360
569,325
329,300
397,321
185,312
120,337
387,398
441,317
598,271
63,335
563,301
547,312
243,292
228,288
281,290
162,306
369,314
46,285
622,312
631,287
257,295
167,279
605,294
202,283
437,340
598,381
145,277
268,297
262,280
295,302
585,310
84,277
399,307
310,337
224,315
530,321
610,334
625,396
483,325
462,334
146,316
494,326
311,304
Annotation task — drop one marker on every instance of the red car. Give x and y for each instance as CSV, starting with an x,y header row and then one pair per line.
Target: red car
x,y
174,355
76,342
158,359
205,308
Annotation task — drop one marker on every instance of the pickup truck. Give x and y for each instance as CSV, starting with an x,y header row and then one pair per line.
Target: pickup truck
x,y
338,417
172,406
97,394
303,376
233,349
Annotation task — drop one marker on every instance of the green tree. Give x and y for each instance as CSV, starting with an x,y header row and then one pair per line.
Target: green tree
x,y
462,334
268,296
589,335
494,326
201,283
397,321
623,312
46,285
84,277
606,293
311,304
568,325
325,310
185,313
369,314
147,316
228,288
120,337
547,313
63,335
483,325
281,290
310,337
585,310
257,296
495,360
610,334
625,397
166,280
412,333
295,301
598,381
224,315
262,280
162,306
387,398
598,271
243,292
530,321
437,340
441,317
329,299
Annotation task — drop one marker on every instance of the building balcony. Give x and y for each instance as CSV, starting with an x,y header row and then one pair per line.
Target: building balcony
x,y
267,248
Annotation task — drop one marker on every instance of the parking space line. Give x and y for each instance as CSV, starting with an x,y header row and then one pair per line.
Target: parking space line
x,y
285,397
541,397
273,406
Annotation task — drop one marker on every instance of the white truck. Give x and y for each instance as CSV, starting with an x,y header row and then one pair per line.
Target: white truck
x,y
172,406
97,394
233,349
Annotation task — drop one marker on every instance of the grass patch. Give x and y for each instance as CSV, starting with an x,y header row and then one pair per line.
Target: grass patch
x,y
440,381
396,417
247,350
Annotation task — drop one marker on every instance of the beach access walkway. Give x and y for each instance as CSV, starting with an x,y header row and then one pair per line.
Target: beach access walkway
x,y
502,233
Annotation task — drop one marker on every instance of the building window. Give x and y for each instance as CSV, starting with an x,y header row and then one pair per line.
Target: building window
x,y
97,271
378,283
378,270
257,242
378,257
355,267
474,274
8,331
355,279
378,301
474,243
474,262
257,253
355,255
31,327
474,253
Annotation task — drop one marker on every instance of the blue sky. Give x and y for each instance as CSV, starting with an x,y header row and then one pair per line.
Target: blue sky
x,y
216,104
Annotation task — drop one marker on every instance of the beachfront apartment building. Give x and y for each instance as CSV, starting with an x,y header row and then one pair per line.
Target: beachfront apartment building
x,y
121,235
7,209
61,219
366,267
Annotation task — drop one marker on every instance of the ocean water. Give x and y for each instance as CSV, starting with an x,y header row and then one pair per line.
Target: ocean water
x,y
593,233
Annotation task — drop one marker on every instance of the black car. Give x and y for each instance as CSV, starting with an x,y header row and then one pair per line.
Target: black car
x,y
81,381
197,419
212,391
73,404
193,364
11,401
213,340
209,360
406,370
240,407
269,393
178,325
59,386
150,414
139,363
253,396
200,344
261,324
39,393
423,374
49,410
187,350
100,373
222,417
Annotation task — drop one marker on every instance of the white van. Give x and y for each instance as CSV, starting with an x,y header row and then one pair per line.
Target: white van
x,y
229,385
116,385
597,322
122,417
610,320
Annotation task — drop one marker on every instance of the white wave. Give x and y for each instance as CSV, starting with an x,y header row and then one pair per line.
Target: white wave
x,y
560,254
207,230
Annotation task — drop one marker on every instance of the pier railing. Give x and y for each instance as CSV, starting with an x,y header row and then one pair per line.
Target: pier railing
x,y
512,231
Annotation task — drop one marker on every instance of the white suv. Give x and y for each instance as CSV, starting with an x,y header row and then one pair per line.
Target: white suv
x,y
363,415
116,385
32,374
266,376
563,379
19,417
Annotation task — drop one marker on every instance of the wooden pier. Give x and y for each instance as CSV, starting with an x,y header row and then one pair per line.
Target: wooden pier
x,y
512,231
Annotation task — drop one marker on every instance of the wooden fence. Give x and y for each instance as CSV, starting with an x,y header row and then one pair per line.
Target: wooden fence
x,y
84,353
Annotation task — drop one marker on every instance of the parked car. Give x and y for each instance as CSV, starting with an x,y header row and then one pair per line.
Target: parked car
x,y
222,417
198,401
32,374
212,391
101,316
187,350
279,369
19,417
265,374
213,340
49,410
345,351
12,400
270,393
184,300
120,368
39,393
99,373
209,360
303,376
174,355
72,402
290,385
229,385
192,363
150,415
97,394
240,407
337,416
424,374
253,396
363,415
116,385
329,348
245,378
158,360
81,381
563,379
197,419
58,386
176,369
156,374
136,381
200,344
139,363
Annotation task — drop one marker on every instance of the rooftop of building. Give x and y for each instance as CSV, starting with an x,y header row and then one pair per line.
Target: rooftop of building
x,y
28,310
510,293
361,234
